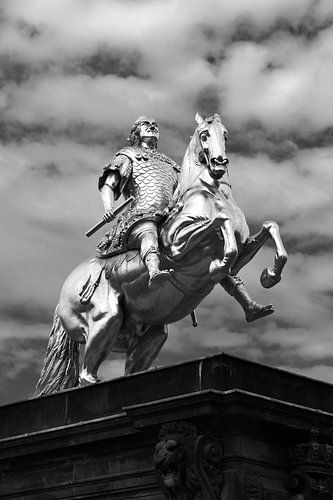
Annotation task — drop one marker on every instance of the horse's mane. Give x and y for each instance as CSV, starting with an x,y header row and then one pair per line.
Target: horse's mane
x,y
190,165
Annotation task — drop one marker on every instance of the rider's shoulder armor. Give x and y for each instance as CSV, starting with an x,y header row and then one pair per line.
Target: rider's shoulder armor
x,y
124,169
102,178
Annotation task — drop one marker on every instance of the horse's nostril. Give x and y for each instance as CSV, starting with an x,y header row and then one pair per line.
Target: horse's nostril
x,y
219,161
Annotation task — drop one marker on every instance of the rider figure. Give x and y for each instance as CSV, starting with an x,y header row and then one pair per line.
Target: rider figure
x,y
151,178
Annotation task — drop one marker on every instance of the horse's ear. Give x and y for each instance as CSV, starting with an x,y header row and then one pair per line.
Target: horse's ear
x,y
199,119
217,117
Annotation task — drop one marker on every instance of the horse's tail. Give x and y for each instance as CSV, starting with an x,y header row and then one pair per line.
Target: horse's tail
x,y
61,363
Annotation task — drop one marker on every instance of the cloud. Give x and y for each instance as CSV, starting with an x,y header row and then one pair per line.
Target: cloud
x,y
321,372
294,191
282,71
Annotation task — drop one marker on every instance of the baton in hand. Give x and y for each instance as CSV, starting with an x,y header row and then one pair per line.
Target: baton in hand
x,y
102,222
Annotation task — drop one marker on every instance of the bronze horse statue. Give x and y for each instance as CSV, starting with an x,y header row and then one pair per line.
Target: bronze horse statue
x,y
204,239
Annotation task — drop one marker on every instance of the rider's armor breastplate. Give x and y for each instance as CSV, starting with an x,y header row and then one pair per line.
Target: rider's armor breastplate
x,y
153,180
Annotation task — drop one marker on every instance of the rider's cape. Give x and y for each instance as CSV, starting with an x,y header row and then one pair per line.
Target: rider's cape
x,y
151,178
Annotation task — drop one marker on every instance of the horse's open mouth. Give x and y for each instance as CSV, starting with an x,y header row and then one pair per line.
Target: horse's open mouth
x,y
217,171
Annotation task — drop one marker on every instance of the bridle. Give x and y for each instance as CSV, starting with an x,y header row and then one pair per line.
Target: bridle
x,y
205,153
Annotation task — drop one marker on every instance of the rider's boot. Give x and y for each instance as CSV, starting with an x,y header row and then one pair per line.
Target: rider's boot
x,y
156,276
235,287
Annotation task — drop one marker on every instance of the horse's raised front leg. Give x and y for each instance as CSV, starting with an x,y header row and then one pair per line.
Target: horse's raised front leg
x,y
220,268
146,350
104,324
270,276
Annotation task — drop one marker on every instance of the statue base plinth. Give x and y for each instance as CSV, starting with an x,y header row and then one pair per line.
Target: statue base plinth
x,y
99,441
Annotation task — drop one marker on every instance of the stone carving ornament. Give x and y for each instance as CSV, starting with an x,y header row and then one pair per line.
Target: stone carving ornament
x,y
188,464
312,474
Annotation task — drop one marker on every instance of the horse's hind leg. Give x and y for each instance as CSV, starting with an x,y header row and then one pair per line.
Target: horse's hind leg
x,y
146,350
269,276
104,324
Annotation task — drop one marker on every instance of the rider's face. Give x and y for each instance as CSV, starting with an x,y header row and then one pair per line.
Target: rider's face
x,y
149,129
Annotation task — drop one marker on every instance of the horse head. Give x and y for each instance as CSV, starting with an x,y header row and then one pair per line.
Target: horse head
x,y
210,137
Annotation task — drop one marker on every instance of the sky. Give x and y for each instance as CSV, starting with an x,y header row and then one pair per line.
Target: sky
x,y
75,74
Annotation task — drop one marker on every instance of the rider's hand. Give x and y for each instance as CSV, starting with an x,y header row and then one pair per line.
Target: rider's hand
x,y
166,211
108,216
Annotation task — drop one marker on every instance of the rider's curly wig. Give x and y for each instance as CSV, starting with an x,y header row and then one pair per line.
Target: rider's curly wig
x,y
134,136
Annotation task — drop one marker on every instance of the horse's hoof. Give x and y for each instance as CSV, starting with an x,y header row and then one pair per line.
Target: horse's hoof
x,y
160,277
268,278
258,311
84,382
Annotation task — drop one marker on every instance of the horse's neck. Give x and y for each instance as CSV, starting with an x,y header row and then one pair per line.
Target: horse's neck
x,y
191,167
225,187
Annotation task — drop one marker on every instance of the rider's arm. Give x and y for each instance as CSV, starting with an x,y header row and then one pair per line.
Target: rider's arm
x,y
107,191
112,182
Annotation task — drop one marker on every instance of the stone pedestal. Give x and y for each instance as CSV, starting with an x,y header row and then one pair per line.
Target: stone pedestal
x,y
213,428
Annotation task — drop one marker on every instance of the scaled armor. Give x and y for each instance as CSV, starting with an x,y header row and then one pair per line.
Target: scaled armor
x,y
151,178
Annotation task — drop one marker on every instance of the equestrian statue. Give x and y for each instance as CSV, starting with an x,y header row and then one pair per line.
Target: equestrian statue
x,y
181,233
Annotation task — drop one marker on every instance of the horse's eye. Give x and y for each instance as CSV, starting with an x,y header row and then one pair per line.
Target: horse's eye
x,y
204,137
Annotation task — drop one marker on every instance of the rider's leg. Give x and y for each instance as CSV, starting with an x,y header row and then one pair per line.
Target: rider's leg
x,y
104,324
145,237
146,350
235,287
230,253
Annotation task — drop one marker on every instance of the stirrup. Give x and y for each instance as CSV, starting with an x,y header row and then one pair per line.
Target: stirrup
x,y
159,277
257,311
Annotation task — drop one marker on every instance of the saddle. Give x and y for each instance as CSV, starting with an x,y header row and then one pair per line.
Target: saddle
x,y
97,267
